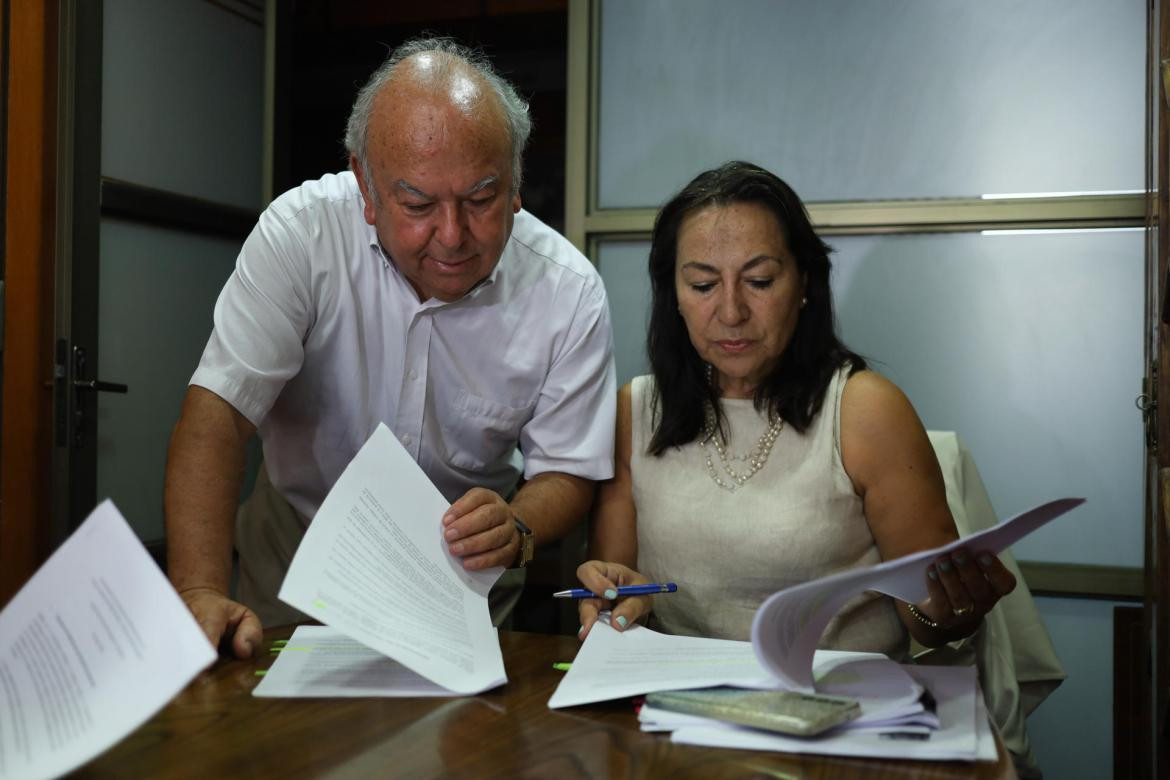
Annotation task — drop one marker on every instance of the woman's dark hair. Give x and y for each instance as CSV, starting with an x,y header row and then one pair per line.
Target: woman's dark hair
x,y
795,389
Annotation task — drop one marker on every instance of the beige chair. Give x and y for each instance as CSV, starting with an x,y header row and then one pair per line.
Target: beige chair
x,y
1016,662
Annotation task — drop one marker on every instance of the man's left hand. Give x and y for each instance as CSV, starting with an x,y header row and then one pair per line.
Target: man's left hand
x,y
479,529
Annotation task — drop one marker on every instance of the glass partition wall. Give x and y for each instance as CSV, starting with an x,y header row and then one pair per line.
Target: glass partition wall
x,y
979,170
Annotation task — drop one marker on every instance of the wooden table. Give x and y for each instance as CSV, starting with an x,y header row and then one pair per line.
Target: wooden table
x,y
216,728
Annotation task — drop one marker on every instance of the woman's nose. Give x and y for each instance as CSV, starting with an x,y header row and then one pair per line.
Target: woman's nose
x,y
732,310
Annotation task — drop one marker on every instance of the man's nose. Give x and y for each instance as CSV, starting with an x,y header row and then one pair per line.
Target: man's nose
x,y
452,226
732,308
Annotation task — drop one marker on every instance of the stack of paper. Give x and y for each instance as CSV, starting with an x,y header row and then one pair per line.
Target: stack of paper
x,y
783,655
959,731
404,617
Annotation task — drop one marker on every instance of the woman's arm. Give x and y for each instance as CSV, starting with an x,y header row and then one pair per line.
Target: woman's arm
x,y
888,456
613,535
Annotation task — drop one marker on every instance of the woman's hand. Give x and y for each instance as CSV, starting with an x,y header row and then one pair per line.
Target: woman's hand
x,y
603,577
963,588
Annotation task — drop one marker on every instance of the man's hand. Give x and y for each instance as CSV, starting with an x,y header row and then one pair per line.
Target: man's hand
x,y
228,624
479,529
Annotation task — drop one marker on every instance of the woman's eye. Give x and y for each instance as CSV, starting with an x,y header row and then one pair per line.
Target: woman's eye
x,y
703,287
760,284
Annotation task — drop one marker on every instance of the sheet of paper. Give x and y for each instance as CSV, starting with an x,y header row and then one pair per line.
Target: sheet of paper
x,y
788,625
614,665
374,566
321,662
92,646
963,734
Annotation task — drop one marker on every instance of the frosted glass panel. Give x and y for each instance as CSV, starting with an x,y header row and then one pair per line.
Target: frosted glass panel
x,y
183,98
855,100
158,289
623,269
1029,347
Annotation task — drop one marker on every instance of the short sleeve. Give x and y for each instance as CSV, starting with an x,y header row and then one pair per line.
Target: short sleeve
x,y
572,427
261,320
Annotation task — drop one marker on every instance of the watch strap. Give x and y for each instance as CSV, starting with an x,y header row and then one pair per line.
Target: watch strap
x,y
527,543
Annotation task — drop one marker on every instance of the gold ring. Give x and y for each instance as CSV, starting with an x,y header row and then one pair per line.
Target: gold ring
x,y
967,610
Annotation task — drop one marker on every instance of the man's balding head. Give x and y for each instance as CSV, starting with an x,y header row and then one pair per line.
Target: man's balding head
x,y
438,70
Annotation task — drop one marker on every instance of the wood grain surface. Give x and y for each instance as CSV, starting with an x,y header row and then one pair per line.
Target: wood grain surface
x,y
216,728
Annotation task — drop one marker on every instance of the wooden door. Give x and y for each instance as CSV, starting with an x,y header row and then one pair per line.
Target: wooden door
x,y
28,51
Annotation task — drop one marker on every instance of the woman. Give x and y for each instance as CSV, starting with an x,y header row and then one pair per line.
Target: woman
x,y
761,453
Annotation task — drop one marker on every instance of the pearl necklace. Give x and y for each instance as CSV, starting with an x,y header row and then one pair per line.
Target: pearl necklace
x,y
755,458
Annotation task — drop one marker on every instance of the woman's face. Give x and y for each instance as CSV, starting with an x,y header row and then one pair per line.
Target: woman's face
x,y
739,291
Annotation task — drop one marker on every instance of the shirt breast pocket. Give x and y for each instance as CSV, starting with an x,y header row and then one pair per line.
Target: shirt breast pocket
x,y
481,432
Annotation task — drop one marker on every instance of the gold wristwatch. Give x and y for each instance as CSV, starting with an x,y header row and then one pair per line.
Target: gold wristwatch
x,y
527,545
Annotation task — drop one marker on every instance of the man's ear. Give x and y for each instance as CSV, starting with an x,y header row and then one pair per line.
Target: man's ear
x,y
369,212
516,203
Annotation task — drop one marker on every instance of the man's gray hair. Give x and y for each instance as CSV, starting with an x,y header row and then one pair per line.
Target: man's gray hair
x,y
515,108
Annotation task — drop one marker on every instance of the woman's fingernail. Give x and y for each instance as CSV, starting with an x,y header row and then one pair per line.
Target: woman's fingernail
x,y
945,564
961,558
984,559
622,621
932,574
610,593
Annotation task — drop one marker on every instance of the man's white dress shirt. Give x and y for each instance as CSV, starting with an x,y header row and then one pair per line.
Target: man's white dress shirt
x,y
318,337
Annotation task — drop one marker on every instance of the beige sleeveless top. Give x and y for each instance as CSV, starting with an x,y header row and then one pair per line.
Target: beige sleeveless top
x,y
796,519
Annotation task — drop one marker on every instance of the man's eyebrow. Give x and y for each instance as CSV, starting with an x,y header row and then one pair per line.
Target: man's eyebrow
x,y
483,183
402,184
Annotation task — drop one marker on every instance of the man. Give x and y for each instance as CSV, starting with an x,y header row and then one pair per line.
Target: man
x,y
414,291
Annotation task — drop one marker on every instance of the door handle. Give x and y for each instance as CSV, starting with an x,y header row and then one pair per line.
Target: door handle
x,y
81,387
98,385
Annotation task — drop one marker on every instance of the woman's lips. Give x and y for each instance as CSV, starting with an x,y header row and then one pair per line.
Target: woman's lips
x,y
734,346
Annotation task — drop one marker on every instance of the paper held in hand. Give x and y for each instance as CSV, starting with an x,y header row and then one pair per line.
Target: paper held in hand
x,y
789,623
783,655
785,631
374,567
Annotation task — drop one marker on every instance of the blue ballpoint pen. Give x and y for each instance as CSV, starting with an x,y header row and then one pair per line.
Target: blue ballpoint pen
x,y
625,590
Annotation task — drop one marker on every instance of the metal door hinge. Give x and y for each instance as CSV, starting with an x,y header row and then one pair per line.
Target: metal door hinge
x,y
1147,404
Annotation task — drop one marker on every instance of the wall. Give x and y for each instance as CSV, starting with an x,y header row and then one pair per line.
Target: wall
x,y
182,101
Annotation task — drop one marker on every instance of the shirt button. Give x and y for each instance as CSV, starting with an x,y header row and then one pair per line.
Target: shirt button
x,y
412,374
406,440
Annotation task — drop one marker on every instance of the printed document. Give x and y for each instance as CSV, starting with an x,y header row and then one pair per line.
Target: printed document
x,y
963,732
374,566
92,646
614,665
788,625
321,662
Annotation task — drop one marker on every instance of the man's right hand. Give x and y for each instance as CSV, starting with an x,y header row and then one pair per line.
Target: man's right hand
x,y
229,625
